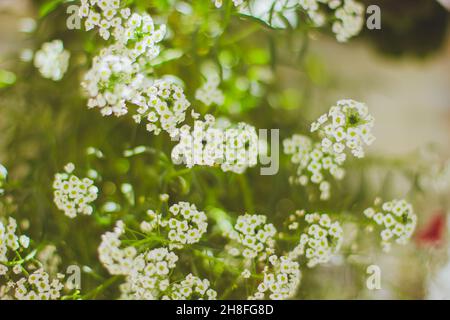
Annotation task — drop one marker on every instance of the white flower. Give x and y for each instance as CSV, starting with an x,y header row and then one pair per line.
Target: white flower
x,y
163,105
253,236
190,288
233,148
183,223
52,60
348,16
314,164
320,240
281,279
396,221
348,125
72,194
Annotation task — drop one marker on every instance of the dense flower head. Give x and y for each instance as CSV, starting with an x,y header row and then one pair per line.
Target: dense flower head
x,y
191,288
209,93
149,275
140,36
103,14
8,241
396,221
348,124
72,194
163,105
281,279
37,286
254,237
183,222
314,164
320,241
233,148
111,82
348,16
133,31
52,60
117,260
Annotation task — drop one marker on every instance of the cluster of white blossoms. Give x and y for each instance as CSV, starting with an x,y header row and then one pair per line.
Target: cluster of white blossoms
x,y
36,286
233,148
146,273
149,276
103,14
218,3
117,260
320,241
185,224
254,237
348,16
140,36
396,220
118,78
163,105
314,164
72,194
111,83
52,60
348,124
10,241
281,279
209,93
191,288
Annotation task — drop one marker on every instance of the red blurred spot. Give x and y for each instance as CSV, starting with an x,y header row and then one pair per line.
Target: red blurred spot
x,y
434,232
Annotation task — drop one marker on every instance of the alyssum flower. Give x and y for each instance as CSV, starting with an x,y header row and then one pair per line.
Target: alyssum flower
x,y
321,239
395,221
72,194
52,60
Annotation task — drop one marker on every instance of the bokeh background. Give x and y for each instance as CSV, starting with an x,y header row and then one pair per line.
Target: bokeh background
x,y
401,71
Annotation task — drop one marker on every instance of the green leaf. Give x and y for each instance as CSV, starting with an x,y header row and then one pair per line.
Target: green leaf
x,y
49,7
7,78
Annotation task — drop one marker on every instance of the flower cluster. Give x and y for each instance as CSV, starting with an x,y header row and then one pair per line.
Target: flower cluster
x,y
52,60
117,260
281,279
37,286
72,194
104,14
149,275
164,106
111,82
348,14
191,288
395,219
347,124
232,148
314,164
255,237
210,93
140,36
321,239
185,224
8,240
